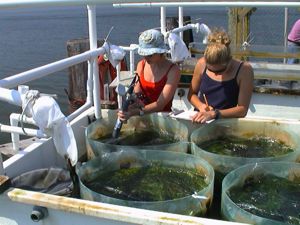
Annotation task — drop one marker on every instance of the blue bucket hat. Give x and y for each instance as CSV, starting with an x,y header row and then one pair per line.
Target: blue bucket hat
x,y
150,42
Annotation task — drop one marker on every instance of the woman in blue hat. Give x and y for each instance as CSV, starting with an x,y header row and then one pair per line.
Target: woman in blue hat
x,y
158,77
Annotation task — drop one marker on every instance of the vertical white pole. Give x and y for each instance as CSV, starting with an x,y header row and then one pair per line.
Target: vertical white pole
x,y
131,58
89,86
1,165
285,34
106,92
180,20
15,137
93,45
163,20
118,68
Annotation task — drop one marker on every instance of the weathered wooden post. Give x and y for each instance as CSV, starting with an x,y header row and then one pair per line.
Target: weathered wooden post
x,y
239,25
78,73
239,31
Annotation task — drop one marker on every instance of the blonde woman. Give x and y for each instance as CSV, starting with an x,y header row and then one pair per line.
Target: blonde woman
x,y
221,86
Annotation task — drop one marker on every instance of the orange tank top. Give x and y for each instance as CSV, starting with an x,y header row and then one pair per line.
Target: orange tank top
x,y
151,91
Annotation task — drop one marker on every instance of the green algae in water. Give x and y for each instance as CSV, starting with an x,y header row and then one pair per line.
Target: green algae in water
x,y
139,137
255,147
4,157
270,197
150,183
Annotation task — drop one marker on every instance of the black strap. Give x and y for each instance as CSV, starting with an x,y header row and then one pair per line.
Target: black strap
x,y
131,86
238,70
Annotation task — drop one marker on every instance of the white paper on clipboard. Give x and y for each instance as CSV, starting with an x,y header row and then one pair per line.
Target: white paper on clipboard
x,y
187,115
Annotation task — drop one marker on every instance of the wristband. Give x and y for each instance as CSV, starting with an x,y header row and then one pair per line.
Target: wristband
x,y
217,113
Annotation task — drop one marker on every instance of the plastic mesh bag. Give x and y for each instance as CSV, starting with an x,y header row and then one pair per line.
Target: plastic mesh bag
x,y
55,181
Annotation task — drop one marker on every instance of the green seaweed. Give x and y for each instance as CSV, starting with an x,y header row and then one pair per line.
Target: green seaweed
x,y
140,137
150,183
270,197
255,147
4,157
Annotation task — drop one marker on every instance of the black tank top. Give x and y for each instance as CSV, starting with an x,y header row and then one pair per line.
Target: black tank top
x,y
219,94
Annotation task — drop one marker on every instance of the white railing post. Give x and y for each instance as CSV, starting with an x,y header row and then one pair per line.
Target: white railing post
x,y
1,165
94,61
15,137
285,33
14,121
89,83
180,20
118,68
131,59
163,28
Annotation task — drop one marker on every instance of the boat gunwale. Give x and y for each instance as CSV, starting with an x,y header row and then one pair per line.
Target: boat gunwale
x,y
103,210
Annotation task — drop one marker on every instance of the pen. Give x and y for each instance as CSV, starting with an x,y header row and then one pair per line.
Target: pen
x,y
205,100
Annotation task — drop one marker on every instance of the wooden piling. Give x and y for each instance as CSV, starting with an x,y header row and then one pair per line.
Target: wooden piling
x,y
78,73
239,25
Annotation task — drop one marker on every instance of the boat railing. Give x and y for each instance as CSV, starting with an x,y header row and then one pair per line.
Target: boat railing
x,y
93,87
7,85
37,73
263,70
91,56
179,3
46,70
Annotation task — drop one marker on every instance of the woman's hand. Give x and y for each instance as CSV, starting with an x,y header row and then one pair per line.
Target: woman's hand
x,y
202,117
124,116
133,110
205,108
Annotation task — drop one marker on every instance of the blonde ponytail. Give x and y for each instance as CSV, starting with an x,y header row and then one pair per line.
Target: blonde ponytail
x,y
218,50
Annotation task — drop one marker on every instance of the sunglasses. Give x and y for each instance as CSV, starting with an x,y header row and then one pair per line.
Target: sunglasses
x,y
148,56
218,70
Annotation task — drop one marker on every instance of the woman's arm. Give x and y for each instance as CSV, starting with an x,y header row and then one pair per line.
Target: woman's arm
x,y
245,82
195,86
